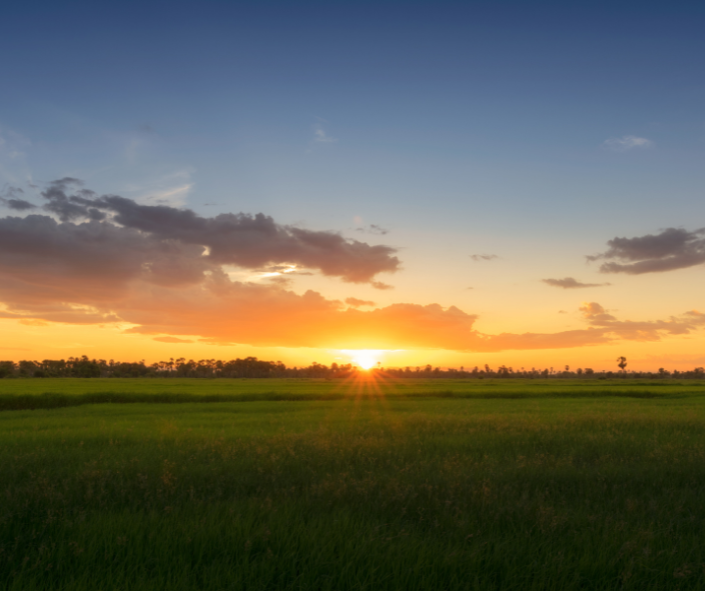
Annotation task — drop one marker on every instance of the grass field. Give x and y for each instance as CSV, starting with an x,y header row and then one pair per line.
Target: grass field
x,y
304,484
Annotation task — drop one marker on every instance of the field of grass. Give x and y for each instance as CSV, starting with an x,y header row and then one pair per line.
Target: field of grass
x,y
19,394
304,484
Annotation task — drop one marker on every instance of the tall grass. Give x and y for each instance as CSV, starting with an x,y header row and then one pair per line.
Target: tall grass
x,y
356,493
61,393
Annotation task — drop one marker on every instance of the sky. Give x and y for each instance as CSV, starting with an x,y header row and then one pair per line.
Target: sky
x,y
448,183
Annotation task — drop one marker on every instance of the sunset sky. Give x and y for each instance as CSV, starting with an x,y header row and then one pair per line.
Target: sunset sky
x,y
447,183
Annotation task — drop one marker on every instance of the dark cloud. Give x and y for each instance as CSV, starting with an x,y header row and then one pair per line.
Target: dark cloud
x,y
11,198
17,204
76,206
249,241
570,283
483,257
42,258
673,248
11,191
355,303
373,229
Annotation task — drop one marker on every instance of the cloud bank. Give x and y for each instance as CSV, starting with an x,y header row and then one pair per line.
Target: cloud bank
x,y
243,240
162,272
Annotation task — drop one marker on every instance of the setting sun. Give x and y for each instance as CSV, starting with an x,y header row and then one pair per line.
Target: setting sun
x,y
365,362
364,358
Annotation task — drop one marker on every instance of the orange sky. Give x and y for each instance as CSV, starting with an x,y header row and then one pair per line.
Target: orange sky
x,y
116,278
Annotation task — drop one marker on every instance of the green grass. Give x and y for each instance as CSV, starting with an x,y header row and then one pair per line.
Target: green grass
x,y
29,394
423,485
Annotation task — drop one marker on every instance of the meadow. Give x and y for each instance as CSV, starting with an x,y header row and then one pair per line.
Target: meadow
x,y
178,484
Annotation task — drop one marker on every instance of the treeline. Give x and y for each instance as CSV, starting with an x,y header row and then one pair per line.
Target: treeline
x,y
251,367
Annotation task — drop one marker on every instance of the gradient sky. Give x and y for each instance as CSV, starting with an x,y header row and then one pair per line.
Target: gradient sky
x,y
450,165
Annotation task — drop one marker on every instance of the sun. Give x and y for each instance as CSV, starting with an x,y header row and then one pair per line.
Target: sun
x,y
365,358
365,361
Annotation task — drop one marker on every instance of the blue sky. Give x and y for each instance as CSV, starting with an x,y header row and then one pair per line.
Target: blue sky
x,y
458,105
528,130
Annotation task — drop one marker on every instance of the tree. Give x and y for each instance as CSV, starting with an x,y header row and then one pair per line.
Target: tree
x,y
622,363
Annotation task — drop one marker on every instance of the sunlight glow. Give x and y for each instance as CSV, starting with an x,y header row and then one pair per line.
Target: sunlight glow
x,y
280,271
364,358
365,362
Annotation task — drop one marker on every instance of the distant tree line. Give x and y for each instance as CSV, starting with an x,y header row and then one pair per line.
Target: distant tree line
x,y
251,367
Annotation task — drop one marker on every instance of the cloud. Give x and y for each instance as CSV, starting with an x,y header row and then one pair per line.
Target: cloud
x,y
243,240
373,229
570,283
214,309
33,322
355,303
651,330
10,198
173,196
17,204
483,257
380,285
320,135
162,272
595,313
602,328
673,248
627,142
171,340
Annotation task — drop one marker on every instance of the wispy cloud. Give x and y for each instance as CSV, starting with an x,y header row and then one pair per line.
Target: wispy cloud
x,y
14,168
172,340
11,197
373,229
381,286
320,135
174,196
627,142
356,303
570,283
483,257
